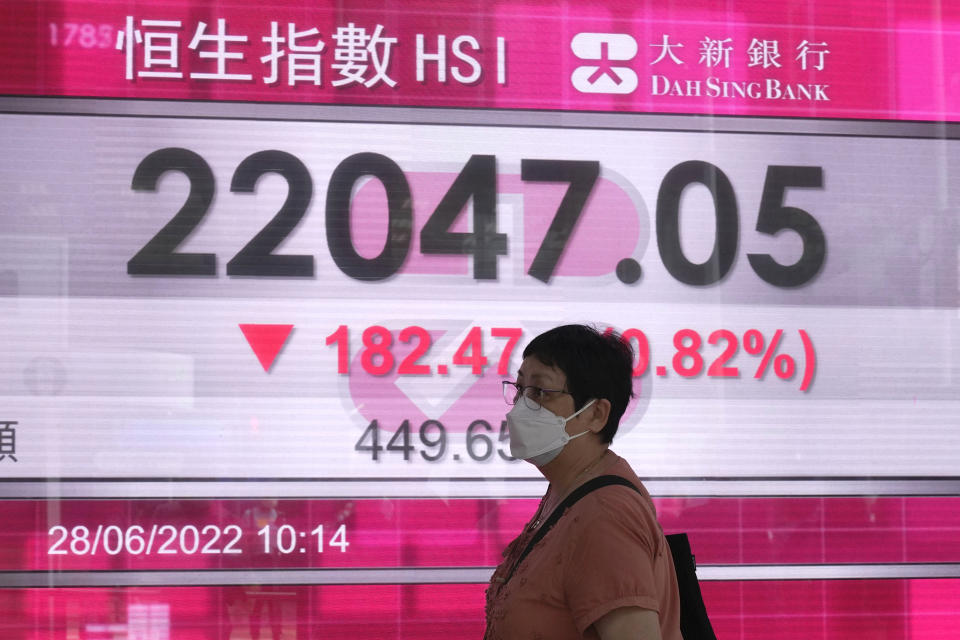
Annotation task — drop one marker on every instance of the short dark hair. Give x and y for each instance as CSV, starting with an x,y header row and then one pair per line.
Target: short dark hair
x,y
597,365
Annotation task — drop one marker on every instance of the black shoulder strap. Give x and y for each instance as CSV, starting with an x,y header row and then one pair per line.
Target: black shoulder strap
x,y
579,492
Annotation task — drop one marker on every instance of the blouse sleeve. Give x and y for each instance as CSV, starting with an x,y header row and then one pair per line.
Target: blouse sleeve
x,y
609,561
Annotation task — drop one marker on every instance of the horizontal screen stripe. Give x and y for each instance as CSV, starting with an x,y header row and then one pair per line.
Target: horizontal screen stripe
x,y
415,487
755,610
444,575
146,535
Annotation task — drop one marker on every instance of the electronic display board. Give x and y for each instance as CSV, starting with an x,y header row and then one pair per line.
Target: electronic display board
x,y
265,266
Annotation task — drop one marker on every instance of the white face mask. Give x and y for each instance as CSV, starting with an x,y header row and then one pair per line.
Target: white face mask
x,y
538,435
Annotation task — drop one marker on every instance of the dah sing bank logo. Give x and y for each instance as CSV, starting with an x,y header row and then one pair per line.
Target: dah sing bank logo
x,y
608,56
604,50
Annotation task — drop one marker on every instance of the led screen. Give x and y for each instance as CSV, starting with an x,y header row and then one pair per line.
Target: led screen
x,y
264,269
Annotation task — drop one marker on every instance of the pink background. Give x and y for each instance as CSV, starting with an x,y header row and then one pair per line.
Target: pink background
x,y
828,610
469,533
893,62
473,532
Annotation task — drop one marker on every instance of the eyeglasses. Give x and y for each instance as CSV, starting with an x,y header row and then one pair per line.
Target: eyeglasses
x,y
533,396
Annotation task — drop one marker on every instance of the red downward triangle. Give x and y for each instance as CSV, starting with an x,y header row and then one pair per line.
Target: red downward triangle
x,y
266,340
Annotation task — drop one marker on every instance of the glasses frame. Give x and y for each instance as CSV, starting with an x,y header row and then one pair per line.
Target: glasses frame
x,y
517,390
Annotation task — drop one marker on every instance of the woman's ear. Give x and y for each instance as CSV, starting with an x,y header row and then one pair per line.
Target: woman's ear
x,y
599,412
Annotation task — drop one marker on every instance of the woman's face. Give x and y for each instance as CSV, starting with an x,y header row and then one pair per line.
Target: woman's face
x,y
534,373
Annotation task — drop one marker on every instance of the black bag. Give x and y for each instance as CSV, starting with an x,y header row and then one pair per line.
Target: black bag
x,y
694,623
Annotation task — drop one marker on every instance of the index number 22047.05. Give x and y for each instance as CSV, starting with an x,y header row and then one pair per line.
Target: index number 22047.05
x,y
476,183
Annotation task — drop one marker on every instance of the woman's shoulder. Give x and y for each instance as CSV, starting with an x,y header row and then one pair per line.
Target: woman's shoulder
x,y
618,502
613,517
620,467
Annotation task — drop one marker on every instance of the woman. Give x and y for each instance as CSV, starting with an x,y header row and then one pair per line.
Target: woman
x,y
604,570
